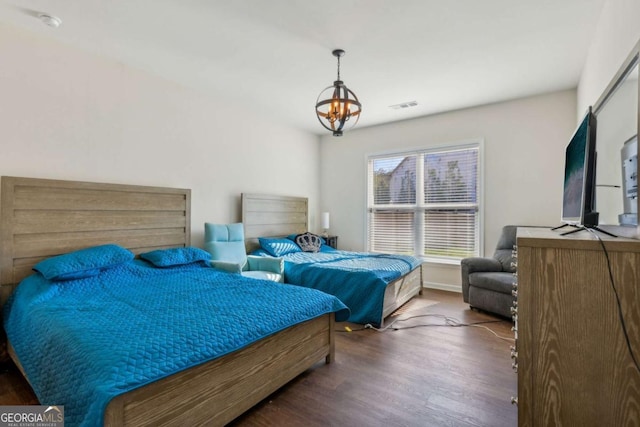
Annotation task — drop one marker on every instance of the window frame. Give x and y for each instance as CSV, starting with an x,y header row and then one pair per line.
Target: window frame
x,y
420,205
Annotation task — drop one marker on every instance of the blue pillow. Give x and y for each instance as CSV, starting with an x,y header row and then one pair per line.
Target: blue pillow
x,y
278,247
83,263
176,256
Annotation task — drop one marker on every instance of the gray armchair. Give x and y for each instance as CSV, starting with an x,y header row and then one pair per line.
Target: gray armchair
x,y
487,282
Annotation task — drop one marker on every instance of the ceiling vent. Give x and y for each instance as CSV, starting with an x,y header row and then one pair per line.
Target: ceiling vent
x,y
404,105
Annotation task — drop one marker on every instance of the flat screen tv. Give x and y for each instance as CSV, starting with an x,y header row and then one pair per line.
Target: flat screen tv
x,y
578,199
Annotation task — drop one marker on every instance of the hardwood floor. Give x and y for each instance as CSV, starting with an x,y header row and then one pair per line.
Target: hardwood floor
x,y
424,376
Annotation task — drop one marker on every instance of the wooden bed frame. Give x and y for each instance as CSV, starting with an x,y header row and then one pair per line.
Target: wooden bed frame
x,y
266,215
42,218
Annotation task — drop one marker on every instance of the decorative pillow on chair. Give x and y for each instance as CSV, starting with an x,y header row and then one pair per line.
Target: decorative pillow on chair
x,y
83,263
309,242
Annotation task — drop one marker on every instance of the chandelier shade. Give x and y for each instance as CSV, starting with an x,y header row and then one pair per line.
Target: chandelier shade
x,y
337,107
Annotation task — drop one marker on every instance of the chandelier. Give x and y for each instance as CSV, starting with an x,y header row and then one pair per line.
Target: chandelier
x,y
337,105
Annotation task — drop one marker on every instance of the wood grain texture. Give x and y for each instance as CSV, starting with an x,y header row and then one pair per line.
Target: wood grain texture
x,y
216,392
402,290
266,215
426,376
574,364
41,218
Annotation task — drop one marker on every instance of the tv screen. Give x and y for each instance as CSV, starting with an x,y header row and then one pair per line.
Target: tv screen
x,y
579,175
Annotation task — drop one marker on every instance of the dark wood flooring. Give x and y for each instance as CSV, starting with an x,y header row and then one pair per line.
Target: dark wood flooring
x,y
424,376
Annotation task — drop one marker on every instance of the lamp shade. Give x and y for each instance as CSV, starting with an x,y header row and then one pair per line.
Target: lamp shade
x,y
324,219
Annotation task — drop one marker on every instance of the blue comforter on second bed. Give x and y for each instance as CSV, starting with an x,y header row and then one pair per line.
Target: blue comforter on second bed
x,y
358,279
82,342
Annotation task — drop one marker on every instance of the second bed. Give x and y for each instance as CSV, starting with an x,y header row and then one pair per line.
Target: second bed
x,y
372,285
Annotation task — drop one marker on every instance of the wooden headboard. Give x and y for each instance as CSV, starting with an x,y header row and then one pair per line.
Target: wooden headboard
x,y
40,218
265,215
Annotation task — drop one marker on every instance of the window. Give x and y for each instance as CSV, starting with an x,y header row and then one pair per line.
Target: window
x,y
425,203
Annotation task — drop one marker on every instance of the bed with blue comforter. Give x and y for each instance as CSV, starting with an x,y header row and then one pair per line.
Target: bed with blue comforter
x,y
359,279
84,337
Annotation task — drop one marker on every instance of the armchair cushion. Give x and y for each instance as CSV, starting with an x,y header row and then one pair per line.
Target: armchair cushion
x,y
229,267
261,263
504,248
226,243
233,252
264,275
494,281
506,260
481,264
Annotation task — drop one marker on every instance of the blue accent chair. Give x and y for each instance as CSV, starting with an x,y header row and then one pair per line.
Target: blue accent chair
x,y
225,243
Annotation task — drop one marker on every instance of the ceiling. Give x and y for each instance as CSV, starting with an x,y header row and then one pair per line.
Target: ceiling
x,y
274,57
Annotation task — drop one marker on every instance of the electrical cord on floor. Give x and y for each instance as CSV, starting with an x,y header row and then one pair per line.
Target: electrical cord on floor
x,y
615,292
349,329
449,321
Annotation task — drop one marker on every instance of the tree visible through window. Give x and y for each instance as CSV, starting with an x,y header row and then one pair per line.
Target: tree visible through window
x,y
425,203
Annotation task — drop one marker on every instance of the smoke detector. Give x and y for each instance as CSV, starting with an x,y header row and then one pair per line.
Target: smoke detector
x,y
50,20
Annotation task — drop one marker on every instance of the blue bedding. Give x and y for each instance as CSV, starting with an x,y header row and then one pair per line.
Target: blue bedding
x,y
82,342
358,279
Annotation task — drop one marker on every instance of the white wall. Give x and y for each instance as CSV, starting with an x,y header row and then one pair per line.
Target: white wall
x,y
524,142
614,37
617,32
70,115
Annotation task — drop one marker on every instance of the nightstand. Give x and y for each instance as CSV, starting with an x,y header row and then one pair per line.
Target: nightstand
x,y
331,241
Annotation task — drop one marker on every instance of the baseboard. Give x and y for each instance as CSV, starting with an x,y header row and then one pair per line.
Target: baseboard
x,y
442,287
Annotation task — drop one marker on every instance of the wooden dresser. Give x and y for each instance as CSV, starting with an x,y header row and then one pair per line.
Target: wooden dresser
x,y
574,367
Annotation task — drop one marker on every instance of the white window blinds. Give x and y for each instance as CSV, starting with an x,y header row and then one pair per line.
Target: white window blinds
x,y
425,203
